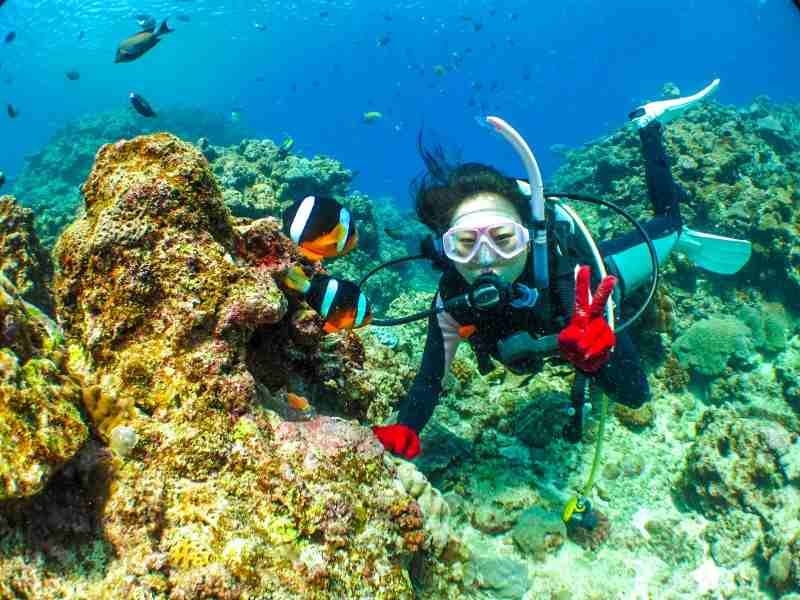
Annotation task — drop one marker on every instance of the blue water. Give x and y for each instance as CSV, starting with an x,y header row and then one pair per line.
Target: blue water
x,y
561,72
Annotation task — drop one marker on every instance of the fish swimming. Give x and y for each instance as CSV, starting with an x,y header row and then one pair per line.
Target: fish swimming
x,y
2,175
290,406
135,46
12,112
321,227
371,116
10,37
73,75
340,303
142,106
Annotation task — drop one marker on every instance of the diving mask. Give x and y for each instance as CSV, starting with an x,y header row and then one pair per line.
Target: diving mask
x,y
506,238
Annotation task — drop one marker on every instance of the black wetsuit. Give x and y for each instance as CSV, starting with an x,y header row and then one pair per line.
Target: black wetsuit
x,y
622,376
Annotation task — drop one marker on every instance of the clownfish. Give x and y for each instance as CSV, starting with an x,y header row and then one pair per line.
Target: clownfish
x,y
321,227
340,303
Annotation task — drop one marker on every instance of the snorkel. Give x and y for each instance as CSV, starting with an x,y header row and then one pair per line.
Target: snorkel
x,y
539,230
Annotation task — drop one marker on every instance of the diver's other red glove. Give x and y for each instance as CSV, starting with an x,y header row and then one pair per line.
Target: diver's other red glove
x,y
398,439
587,341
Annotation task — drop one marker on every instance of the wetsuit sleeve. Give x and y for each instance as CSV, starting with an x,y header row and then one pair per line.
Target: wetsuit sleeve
x,y
440,347
623,376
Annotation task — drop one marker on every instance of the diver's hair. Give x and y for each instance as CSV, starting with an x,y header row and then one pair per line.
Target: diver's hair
x,y
446,182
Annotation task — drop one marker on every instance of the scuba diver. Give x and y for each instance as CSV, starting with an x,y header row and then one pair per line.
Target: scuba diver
x,y
517,273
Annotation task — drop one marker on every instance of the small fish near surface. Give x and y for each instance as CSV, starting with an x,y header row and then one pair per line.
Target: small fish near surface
x,y
136,45
320,227
12,112
73,75
340,303
142,106
371,116
10,37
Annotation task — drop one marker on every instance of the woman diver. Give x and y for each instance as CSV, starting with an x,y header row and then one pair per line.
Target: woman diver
x,y
515,273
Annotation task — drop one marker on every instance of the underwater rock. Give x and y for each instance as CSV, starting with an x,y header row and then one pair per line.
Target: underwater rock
x,y
539,532
24,261
430,500
268,177
734,537
593,538
443,448
733,463
635,418
672,542
787,371
742,466
540,421
507,579
769,325
50,180
168,304
492,519
41,427
708,345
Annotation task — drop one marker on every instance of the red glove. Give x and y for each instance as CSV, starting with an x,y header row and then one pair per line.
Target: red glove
x,y
398,439
587,340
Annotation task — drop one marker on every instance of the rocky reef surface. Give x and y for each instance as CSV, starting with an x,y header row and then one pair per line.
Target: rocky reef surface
x,y
180,347
178,340
50,181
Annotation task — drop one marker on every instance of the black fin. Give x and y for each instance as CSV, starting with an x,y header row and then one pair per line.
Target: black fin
x,y
164,28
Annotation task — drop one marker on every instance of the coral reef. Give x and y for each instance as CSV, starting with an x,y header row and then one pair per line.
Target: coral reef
x,y
50,180
41,427
178,335
25,263
708,345
261,178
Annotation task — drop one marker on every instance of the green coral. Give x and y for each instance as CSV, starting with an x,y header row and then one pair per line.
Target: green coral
x,y
708,345
40,424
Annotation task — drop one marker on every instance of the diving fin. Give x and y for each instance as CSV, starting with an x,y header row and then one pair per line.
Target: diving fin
x,y
715,253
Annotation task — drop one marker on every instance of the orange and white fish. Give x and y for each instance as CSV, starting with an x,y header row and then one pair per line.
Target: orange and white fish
x,y
290,406
321,227
340,303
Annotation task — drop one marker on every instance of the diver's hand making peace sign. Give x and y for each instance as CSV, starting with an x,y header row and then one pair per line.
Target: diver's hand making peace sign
x,y
587,341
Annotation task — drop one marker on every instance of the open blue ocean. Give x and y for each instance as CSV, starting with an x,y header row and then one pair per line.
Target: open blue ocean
x,y
563,73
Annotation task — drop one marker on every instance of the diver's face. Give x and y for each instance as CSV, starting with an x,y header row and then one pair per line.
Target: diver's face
x,y
480,210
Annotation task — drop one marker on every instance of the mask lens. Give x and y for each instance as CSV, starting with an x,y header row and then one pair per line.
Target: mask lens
x,y
463,242
506,238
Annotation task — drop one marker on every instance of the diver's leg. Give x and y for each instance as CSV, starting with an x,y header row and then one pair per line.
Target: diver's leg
x,y
627,256
623,375
665,193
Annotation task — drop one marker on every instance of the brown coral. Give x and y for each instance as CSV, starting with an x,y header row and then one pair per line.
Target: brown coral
x,y
590,538
22,258
175,323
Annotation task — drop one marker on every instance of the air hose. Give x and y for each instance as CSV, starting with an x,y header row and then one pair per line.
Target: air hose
x,y
579,507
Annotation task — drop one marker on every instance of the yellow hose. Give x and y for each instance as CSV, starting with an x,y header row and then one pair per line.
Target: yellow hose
x,y
576,504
